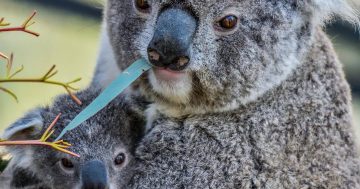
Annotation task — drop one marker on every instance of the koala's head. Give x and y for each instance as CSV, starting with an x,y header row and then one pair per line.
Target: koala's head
x,y
105,144
211,55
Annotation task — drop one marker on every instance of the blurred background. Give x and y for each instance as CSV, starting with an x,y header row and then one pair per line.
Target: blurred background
x,y
69,34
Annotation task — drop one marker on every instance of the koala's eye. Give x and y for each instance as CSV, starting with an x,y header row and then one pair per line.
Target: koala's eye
x,y
228,22
66,164
142,5
120,159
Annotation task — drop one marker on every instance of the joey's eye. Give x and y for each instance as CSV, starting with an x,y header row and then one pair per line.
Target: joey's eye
x,y
66,163
120,159
142,5
228,22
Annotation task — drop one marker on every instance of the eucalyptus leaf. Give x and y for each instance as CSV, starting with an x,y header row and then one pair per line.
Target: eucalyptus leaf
x,y
124,80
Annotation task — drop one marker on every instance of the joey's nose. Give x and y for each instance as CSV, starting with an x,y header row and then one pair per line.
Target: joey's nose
x,y
94,175
170,45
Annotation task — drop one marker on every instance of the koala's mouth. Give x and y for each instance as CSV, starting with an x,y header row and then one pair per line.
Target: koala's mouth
x,y
165,74
175,86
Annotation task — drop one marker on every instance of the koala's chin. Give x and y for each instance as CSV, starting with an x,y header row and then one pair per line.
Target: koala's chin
x,y
175,88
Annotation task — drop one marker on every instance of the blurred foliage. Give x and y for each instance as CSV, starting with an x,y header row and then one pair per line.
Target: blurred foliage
x,y
69,38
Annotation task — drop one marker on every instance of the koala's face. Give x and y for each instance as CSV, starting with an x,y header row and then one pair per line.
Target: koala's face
x,y
209,55
105,144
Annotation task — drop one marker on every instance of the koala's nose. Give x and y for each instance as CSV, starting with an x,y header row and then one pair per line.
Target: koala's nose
x,y
173,34
94,175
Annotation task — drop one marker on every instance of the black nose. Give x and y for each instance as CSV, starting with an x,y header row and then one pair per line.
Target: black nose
x,y
94,175
174,31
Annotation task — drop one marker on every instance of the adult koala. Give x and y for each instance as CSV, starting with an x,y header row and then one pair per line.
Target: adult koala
x,y
247,93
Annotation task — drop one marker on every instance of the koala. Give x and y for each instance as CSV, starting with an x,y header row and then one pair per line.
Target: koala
x,y
244,93
105,143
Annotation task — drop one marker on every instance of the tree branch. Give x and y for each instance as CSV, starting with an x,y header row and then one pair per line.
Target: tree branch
x,y
58,145
45,79
23,28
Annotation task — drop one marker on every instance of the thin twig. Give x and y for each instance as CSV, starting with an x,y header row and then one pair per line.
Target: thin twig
x,y
45,79
10,93
3,24
9,65
22,28
9,62
16,72
7,58
58,145
3,56
74,97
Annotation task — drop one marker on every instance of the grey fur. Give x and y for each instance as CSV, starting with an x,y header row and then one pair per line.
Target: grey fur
x,y
298,135
265,106
115,129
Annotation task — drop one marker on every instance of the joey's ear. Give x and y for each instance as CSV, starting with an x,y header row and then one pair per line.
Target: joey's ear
x,y
345,9
27,127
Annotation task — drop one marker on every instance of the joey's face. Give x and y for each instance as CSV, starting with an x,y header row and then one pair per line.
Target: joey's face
x,y
104,166
209,55
105,144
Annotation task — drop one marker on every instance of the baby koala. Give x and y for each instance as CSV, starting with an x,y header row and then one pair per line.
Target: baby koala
x,y
105,143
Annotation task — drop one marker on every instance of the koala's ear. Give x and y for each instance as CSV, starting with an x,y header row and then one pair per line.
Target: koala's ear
x,y
26,127
345,9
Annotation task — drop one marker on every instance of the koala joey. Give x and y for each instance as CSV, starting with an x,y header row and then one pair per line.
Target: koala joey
x,y
246,93
105,144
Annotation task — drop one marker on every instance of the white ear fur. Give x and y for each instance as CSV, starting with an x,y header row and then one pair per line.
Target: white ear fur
x,y
31,120
345,9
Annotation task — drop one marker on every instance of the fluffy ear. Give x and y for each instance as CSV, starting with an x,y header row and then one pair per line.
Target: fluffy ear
x,y
345,9
25,128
